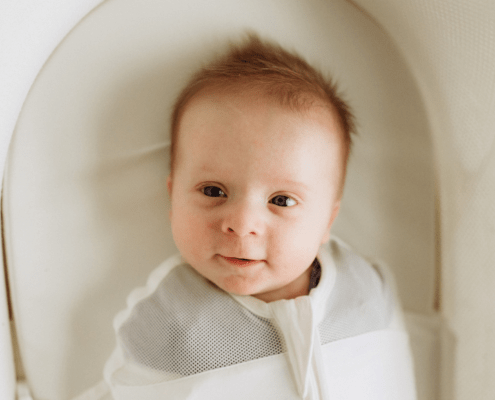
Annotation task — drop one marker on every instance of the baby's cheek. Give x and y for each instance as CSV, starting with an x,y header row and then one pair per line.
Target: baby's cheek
x,y
301,242
182,228
192,233
297,234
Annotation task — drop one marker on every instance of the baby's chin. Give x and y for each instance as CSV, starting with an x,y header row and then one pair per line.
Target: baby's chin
x,y
268,293
239,287
265,294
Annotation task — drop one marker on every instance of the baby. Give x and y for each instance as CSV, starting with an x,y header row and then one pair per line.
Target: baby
x,y
261,303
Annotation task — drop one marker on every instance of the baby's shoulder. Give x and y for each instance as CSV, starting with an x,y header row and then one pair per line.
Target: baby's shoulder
x,y
372,277
187,325
362,298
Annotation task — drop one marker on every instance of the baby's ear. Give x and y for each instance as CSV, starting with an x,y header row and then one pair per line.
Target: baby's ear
x,y
169,185
333,215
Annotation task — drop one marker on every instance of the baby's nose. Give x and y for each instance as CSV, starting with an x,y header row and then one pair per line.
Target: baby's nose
x,y
243,220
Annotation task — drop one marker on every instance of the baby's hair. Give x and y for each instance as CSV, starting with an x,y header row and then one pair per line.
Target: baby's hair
x,y
275,72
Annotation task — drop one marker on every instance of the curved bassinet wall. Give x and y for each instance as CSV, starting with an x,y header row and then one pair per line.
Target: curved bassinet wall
x,y
82,226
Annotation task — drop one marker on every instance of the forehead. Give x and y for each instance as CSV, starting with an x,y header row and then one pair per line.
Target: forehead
x,y
255,134
262,117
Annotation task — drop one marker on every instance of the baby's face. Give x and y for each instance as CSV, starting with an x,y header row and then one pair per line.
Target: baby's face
x,y
254,181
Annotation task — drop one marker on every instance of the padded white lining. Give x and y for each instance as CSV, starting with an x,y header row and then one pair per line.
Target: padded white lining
x,y
460,41
89,174
64,173
450,47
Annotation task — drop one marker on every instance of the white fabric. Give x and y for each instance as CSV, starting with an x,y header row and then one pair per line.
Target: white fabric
x,y
434,36
450,47
7,370
376,364
370,366
28,34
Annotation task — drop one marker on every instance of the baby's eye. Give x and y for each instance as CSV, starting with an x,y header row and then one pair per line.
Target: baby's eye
x,y
283,201
213,191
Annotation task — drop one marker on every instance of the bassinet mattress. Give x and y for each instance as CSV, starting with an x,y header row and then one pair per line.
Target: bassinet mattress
x,y
183,338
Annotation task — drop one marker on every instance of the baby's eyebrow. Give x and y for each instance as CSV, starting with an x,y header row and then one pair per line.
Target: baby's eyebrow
x,y
205,168
292,183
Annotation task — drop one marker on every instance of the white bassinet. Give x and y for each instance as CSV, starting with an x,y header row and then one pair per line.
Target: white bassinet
x,y
85,93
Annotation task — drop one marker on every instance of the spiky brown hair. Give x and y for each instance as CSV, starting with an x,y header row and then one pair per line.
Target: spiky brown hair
x,y
273,71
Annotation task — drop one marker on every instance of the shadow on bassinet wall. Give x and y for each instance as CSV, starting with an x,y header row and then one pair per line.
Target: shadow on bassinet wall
x,y
85,202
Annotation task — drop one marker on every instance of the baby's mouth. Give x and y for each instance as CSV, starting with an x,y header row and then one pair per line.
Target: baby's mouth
x,y
240,261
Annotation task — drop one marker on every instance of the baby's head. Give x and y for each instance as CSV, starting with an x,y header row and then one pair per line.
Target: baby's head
x,y
260,142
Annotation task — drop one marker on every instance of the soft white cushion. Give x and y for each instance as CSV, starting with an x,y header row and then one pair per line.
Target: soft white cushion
x,y
85,201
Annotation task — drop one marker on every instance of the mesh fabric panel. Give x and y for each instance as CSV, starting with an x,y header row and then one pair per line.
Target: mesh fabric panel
x,y
188,325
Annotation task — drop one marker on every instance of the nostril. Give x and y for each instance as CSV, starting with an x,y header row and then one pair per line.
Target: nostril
x,y
230,230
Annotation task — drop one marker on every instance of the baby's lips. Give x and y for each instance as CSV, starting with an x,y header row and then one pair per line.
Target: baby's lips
x,y
242,258
241,261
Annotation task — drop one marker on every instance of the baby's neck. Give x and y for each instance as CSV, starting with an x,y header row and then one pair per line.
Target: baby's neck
x,y
298,287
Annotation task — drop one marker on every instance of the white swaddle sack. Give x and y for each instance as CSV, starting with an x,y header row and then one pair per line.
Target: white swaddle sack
x,y
181,337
